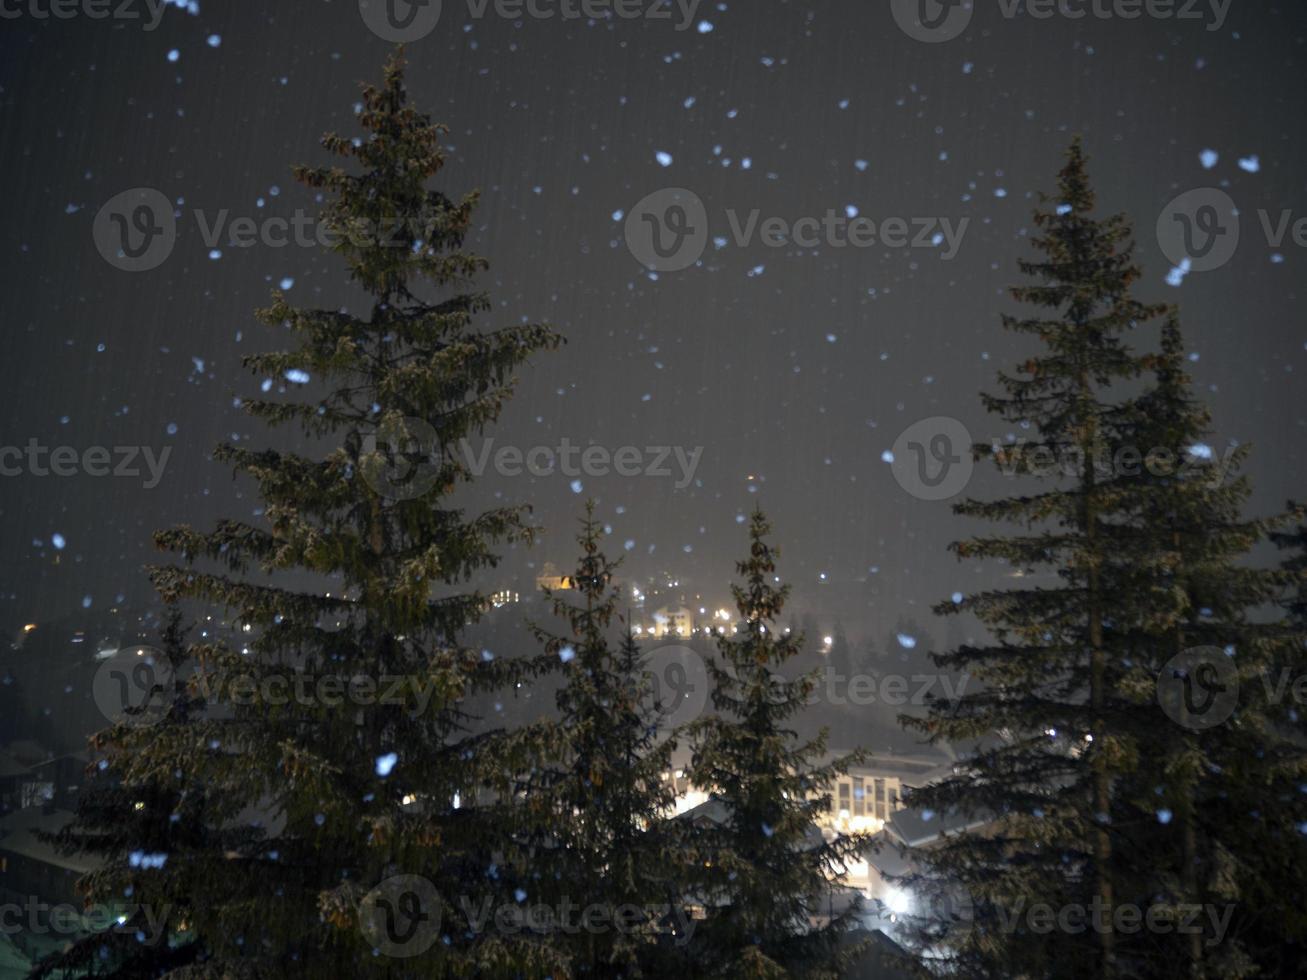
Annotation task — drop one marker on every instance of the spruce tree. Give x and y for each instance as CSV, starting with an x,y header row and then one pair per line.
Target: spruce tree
x,y
377,799
765,874
150,827
1210,799
1046,683
597,803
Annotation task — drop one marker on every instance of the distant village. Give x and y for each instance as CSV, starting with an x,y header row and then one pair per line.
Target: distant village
x,y
47,713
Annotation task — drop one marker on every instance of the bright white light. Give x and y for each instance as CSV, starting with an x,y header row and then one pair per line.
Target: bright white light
x,y
897,901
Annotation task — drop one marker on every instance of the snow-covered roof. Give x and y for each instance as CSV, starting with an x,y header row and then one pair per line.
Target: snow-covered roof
x,y
917,827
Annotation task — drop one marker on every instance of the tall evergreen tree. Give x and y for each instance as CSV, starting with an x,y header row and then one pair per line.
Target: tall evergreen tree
x,y
151,827
766,873
1046,682
1206,805
597,805
352,588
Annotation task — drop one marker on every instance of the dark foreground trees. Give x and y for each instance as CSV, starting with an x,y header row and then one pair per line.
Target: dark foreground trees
x,y
365,804
152,824
320,799
594,808
1133,773
1048,676
764,872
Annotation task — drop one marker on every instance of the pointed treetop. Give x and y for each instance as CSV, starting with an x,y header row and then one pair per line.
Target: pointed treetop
x,y
1073,181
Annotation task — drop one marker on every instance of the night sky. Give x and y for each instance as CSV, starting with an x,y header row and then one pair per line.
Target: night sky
x,y
794,368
